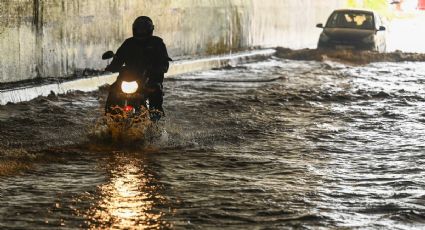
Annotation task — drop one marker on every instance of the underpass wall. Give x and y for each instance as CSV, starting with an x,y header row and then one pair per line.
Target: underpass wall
x,y
60,38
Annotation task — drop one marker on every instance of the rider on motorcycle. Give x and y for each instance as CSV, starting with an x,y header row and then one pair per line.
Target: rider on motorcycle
x,y
146,55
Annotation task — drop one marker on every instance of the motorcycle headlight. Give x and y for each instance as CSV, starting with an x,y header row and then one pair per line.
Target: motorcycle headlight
x,y
129,87
324,37
369,39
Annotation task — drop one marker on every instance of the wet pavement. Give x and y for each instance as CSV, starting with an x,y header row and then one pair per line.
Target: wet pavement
x,y
270,145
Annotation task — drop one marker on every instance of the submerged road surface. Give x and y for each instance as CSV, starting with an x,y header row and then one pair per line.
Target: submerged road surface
x,y
276,144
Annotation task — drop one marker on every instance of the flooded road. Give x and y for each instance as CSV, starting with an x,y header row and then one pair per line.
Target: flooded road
x,y
270,145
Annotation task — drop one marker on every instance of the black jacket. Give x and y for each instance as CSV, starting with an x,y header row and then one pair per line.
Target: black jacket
x,y
146,55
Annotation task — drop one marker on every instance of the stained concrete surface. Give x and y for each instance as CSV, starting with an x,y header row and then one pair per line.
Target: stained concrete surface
x,y
55,38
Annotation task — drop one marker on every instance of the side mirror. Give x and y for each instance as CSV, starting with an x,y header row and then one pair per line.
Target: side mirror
x,y
107,55
320,25
382,28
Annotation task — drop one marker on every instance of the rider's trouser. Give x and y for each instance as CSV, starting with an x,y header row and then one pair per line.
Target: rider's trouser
x,y
155,96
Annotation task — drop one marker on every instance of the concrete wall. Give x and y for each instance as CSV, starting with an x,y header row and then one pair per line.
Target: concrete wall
x,y
56,38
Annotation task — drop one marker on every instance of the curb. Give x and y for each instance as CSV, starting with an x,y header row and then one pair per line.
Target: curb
x,y
16,95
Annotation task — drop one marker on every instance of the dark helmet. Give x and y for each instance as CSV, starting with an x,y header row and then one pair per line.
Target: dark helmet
x,y
143,26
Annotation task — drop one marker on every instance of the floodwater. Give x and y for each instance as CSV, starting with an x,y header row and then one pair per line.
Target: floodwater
x,y
270,145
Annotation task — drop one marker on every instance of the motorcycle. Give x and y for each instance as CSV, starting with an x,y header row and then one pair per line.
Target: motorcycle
x,y
127,97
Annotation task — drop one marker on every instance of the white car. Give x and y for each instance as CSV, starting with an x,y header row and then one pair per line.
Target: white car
x,y
353,29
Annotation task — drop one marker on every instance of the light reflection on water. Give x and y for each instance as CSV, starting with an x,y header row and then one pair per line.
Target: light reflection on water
x,y
128,200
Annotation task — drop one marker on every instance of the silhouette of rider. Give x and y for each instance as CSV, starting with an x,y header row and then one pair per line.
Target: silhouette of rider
x,y
147,55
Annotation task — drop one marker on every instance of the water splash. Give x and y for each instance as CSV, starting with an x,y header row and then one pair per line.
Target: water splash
x,y
122,127
126,129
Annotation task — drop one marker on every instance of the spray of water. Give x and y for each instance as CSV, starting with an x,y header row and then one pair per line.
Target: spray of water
x,y
128,129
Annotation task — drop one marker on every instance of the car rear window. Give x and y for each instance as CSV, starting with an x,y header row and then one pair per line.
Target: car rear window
x,y
350,19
